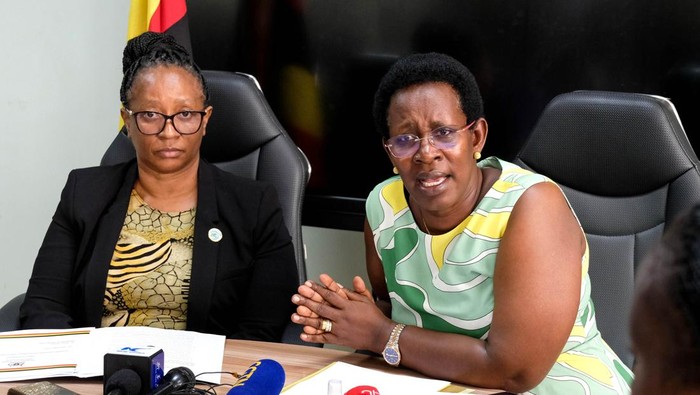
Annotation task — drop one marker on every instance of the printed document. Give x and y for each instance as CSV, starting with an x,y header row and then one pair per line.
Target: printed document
x,y
34,354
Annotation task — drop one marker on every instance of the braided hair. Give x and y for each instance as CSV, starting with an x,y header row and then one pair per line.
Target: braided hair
x,y
153,49
424,68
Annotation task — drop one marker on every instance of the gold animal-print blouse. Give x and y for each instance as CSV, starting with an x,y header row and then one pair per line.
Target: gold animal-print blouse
x,y
149,276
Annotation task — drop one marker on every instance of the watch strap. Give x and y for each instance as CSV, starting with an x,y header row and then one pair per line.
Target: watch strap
x,y
393,343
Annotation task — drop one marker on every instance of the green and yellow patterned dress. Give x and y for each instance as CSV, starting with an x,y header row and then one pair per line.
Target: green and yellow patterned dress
x,y
445,282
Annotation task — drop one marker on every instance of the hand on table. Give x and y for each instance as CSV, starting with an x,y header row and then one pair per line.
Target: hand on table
x,y
329,283
355,320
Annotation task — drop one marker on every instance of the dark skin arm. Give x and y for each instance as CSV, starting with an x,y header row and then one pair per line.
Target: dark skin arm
x,y
537,284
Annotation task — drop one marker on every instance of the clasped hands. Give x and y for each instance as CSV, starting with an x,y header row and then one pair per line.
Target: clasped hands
x,y
331,313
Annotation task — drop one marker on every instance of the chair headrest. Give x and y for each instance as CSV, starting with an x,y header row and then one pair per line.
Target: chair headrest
x,y
237,103
609,143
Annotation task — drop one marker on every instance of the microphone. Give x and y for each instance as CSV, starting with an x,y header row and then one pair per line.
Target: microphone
x,y
124,381
264,377
362,390
177,379
147,362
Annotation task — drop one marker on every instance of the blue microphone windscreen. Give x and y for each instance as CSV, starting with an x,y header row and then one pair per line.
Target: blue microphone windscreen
x,y
264,377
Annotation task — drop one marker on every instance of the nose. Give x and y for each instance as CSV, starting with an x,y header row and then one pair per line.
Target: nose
x,y
169,129
426,149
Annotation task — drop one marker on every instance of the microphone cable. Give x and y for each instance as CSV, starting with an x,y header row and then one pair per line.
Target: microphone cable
x,y
208,388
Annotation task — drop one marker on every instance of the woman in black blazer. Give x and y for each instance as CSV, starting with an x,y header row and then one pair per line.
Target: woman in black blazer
x,y
166,240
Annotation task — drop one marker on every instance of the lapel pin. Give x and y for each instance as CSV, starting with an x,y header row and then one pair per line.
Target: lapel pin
x,y
215,235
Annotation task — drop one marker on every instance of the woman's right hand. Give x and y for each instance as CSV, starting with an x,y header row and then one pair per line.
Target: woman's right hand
x,y
358,285
329,283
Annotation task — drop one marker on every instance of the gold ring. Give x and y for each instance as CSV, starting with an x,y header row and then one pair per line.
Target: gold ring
x,y
326,325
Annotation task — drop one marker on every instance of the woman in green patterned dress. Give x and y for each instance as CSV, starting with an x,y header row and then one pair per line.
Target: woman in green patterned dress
x,y
478,267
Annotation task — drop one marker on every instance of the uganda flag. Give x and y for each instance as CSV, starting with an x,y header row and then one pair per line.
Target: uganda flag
x,y
162,16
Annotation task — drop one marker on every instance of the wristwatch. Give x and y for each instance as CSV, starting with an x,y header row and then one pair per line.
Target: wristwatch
x,y
391,352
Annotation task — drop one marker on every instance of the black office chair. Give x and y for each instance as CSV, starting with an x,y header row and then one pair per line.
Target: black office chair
x,y
244,137
627,168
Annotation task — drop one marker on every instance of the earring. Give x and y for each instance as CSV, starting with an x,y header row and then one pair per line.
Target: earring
x,y
477,155
395,170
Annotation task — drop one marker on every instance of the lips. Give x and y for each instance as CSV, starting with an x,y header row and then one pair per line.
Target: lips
x,y
169,152
432,182
432,179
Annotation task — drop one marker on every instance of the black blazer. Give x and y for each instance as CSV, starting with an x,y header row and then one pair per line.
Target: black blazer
x,y
241,286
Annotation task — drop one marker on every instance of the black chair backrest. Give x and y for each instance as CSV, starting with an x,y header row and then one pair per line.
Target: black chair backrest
x,y
9,313
244,137
627,168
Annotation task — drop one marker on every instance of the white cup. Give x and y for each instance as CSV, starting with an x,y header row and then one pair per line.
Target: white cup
x,y
335,387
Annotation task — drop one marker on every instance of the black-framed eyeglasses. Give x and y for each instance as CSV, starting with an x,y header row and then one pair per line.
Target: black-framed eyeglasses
x,y
152,123
443,137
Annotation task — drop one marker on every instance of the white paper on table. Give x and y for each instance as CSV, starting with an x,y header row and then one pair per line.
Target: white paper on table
x,y
353,376
37,353
201,352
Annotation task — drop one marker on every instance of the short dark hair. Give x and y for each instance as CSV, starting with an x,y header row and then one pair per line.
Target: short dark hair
x,y
687,286
680,280
151,49
423,68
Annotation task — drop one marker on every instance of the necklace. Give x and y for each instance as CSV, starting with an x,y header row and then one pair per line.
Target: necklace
x,y
425,226
422,217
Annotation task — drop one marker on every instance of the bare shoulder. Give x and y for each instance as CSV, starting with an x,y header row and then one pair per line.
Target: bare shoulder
x,y
543,196
543,213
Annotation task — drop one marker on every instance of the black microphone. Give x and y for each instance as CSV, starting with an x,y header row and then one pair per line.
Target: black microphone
x,y
123,382
264,377
177,379
147,362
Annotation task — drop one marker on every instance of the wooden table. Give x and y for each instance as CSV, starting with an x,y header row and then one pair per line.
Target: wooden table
x,y
298,362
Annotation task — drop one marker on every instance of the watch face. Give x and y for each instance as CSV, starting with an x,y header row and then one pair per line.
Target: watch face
x,y
391,356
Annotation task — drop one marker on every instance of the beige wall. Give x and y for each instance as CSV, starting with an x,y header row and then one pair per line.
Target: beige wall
x,y
340,253
60,72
